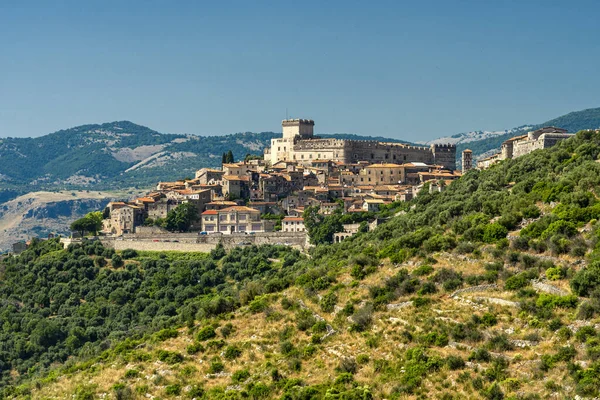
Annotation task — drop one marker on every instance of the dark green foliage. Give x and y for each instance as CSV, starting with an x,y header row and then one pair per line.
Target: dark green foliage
x,y
240,376
170,357
208,332
182,217
455,362
232,352
216,366
586,280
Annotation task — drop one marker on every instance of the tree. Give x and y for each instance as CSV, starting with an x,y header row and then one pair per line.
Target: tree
x,y
182,217
320,228
227,158
83,225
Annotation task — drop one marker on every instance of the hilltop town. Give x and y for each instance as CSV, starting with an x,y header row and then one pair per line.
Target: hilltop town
x,y
270,193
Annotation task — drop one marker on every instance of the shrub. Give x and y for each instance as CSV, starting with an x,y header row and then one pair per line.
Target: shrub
x,y
173,390
226,330
170,357
455,362
116,261
494,232
286,347
480,354
165,334
347,365
554,301
319,327
489,319
328,302
585,332
129,253
216,366
423,270
516,282
305,320
240,376
208,332
287,304
232,352
258,305
131,373
362,318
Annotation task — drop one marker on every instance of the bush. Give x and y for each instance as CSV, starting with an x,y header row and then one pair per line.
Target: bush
x,y
216,366
347,365
362,318
129,253
232,352
305,320
240,376
423,270
170,357
173,390
116,261
494,232
226,330
516,282
553,301
455,362
481,355
208,332
286,347
258,305
328,302
165,334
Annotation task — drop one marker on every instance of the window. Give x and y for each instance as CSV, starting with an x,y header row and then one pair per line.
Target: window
x,y
222,217
242,217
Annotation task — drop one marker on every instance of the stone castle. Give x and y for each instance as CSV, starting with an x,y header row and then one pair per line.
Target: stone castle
x,y
520,145
299,144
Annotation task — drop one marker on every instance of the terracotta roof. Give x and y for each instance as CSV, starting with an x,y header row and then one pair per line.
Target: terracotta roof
x,y
146,200
223,203
210,212
384,166
300,219
236,178
239,208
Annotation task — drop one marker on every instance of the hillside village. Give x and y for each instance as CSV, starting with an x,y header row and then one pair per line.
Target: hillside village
x,y
270,193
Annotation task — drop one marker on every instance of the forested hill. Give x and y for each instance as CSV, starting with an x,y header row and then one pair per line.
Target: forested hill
x,y
119,154
489,289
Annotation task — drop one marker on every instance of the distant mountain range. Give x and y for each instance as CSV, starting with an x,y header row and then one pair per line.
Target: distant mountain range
x,y
123,154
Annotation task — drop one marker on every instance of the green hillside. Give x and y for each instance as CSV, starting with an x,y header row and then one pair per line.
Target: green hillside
x,y
445,300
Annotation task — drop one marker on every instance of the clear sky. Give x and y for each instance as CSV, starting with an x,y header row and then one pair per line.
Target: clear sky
x,y
404,69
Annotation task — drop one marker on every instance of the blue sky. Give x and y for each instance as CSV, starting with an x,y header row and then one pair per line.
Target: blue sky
x,y
404,69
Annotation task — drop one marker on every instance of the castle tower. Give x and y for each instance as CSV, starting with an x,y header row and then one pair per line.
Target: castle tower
x,y
467,160
297,127
444,155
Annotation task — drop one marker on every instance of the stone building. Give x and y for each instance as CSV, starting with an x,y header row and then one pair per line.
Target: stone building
x,y
123,218
293,224
467,160
520,145
534,140
235,219
299,144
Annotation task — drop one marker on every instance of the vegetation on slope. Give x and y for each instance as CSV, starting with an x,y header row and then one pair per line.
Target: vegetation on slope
x,y
379,315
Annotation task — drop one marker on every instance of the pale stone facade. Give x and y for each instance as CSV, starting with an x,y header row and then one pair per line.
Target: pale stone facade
x,y
520,145
299,144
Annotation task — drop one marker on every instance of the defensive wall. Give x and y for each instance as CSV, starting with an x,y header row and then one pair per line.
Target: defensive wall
x,y
192,242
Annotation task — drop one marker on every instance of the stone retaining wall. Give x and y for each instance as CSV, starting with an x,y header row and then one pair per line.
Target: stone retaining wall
x,y
478,288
